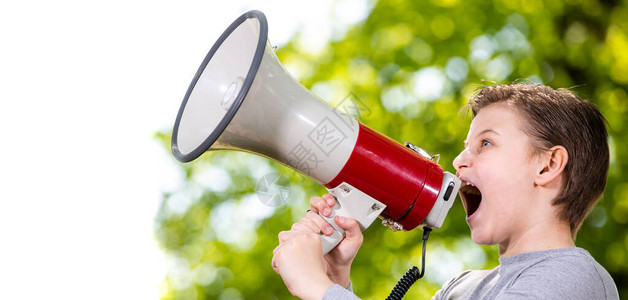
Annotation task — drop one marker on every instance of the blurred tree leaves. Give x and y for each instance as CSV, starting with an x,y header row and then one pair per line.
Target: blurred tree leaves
x,y
409,67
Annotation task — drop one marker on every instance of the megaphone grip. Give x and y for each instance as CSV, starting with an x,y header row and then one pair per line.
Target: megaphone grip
x,y
330,242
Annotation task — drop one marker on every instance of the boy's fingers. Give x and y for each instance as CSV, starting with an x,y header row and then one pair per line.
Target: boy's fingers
x,y
319,222
314,204
329,198
318,204
306,225
283,236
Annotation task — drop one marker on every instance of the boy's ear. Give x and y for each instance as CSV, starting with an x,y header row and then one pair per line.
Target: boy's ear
x,y
552,165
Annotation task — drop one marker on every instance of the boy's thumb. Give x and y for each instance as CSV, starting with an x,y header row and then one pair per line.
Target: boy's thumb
x,y
350,225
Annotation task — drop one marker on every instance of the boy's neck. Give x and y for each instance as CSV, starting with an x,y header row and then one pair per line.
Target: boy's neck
x,y
538,237
541,228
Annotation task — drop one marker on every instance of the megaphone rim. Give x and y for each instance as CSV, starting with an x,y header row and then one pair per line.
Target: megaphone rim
x,y
237,102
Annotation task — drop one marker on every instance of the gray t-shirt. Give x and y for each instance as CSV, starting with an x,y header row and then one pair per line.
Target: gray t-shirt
x,y
567,273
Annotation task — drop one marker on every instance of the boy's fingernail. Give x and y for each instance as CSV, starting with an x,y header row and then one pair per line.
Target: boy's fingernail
x,y
329,230
331,201
340,219
326,211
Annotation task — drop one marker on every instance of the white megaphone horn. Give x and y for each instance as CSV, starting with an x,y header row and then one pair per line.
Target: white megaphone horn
x,y
243,99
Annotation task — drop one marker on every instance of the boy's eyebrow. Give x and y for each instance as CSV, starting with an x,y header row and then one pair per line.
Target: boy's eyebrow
x,y
466,143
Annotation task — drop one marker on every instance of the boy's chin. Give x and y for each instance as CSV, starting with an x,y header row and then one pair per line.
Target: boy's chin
x,y
480,239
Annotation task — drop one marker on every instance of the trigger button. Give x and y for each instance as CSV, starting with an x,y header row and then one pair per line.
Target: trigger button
x,y
450,188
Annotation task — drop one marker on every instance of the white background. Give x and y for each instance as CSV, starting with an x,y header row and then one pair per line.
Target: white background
x,y
84,85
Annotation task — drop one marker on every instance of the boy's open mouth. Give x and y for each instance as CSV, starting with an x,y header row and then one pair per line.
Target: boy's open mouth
x,y
471,197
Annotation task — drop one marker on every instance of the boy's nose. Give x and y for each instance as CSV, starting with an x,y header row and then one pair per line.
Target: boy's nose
x,y
462,160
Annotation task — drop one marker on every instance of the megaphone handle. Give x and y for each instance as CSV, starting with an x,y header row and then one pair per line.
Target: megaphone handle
x,y
330,242
353,203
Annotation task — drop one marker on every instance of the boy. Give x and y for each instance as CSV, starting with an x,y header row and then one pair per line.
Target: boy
x,y
534,164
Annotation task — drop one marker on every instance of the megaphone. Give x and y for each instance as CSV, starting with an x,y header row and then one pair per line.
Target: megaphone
x,y
242,98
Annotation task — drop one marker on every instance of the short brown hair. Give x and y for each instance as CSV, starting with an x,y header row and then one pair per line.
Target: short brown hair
x,y
560,117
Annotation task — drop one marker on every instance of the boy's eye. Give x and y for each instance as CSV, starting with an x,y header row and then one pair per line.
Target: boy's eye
x,y
486,143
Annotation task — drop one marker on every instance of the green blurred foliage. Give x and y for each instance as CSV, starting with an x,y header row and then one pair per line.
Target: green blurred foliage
x,y
411,66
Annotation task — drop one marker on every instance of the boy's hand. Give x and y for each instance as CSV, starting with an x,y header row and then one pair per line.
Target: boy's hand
x,y
298,258
299,261
338,261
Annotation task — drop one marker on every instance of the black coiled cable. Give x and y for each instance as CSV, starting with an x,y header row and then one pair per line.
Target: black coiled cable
x,y
408,279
